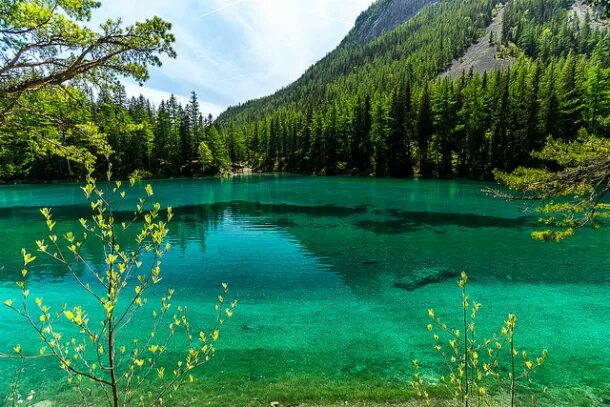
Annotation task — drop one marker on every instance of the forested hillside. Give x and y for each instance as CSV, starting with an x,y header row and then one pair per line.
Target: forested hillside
x,y
381,108
164,140
379,104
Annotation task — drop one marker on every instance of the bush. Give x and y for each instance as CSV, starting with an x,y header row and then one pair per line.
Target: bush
x,y
89,345
473,365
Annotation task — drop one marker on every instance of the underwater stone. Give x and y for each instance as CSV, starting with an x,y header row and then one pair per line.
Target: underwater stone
x,y
423,277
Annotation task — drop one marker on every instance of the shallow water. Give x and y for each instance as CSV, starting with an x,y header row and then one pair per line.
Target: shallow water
x,y
313,262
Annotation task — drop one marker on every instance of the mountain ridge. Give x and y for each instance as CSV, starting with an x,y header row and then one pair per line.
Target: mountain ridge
x,y
381,18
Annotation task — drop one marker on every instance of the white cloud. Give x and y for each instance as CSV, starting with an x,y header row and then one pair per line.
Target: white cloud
x,y
286,36
230,51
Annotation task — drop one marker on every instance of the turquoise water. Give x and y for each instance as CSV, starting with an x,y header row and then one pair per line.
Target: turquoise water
x,y
313,262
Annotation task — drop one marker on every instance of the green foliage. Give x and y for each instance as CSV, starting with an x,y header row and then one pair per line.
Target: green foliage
x,y
376,108
381,109
569,198
48,42
50,58
50,123
89,344
474,364
205,155
57,135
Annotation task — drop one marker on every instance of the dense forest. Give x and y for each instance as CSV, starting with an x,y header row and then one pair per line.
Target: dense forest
x,y
376,105
382,109
166,140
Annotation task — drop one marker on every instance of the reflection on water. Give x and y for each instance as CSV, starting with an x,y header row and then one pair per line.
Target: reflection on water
x,y
318,265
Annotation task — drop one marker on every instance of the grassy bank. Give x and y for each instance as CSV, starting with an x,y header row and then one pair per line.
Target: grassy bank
x,y
316,392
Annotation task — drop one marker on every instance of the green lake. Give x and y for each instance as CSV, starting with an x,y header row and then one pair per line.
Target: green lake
x,y
313,262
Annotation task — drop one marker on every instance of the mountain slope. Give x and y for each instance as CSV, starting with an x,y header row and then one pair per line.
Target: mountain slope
x,y
385,108
398,52
381,17
483,55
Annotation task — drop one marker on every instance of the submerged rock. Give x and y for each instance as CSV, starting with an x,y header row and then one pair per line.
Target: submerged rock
x,y
423,277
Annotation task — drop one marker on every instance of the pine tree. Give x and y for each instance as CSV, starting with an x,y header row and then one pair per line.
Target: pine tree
x,y
598,90
161,149
399,143
379,136
445,121
424,132
571,102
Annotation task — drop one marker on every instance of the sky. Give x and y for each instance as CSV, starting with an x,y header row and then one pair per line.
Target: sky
x,y
231,51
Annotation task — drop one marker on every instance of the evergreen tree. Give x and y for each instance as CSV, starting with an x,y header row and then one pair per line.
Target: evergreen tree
x,y
424,132
399,139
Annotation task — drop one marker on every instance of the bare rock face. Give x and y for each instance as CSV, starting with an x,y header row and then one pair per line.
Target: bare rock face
x,y
484,55
384,16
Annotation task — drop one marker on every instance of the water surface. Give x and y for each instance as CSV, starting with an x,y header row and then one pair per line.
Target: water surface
x,y
313,262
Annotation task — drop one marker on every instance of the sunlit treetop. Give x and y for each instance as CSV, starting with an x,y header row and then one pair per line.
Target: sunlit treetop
x,y
573,197
50,42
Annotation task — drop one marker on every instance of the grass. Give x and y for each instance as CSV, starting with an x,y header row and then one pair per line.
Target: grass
x,y
318,392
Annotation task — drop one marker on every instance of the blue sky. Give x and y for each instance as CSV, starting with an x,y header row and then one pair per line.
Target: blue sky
x,y
230,51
